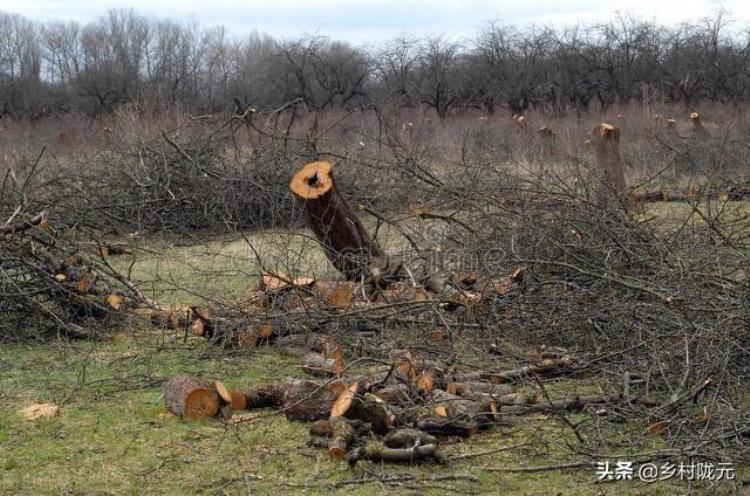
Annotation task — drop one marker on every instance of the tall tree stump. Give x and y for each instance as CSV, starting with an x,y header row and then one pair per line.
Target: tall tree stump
x,y
610,176
345,241
699,130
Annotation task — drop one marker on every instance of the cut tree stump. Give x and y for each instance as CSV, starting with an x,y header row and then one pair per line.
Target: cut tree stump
x,y
699,130
191,398
610,176
346,242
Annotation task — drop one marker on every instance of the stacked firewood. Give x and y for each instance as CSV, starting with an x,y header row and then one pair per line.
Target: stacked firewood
x,y
393,414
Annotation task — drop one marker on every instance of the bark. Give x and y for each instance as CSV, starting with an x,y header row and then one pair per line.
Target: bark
x,y
317,364
395,394
699,130
378,452
37,220
406,438
610,176
455,407
373,410
270,396
547,367
191,398
472,389
576,403
733,194
448,427
342,436
346,242
307,401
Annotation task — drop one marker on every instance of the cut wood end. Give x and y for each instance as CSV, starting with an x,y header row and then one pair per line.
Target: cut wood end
x,y
43,410
342,296
337,353
203,313
338,365
265,331
426,382
270,282
199,328
345,400
406,370
441,411
336,387
312,181
201,403
303,281
337,453
115,301
694,115
71,261
607,131
223,391
239,401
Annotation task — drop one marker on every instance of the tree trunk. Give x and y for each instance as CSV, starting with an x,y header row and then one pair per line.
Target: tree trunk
x,y
345,241
610,176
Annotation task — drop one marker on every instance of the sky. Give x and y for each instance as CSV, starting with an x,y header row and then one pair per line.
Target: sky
x,y
371,21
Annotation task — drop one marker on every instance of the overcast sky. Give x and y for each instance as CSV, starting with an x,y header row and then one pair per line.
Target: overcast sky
x,y
365,21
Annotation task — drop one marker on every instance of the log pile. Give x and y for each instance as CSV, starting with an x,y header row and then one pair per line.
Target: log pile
x,y
396,414
271,305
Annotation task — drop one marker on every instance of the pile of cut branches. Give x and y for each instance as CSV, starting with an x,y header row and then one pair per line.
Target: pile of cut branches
x,y
52,284
396,413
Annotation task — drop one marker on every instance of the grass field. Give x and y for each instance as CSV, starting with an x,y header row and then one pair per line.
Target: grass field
x,y
113,436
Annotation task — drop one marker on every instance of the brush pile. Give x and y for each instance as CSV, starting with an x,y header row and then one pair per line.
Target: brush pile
x,y
51,284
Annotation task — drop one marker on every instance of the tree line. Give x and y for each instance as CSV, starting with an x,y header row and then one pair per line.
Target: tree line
x,y
126,58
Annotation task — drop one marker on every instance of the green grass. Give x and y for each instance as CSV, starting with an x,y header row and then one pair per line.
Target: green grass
x,y
184,271
112,435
